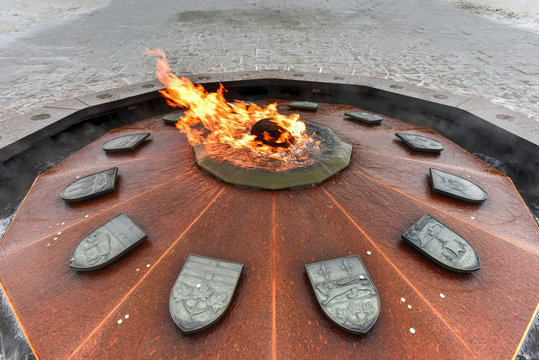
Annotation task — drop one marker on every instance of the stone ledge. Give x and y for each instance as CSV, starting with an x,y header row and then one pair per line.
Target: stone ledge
x,y
19,133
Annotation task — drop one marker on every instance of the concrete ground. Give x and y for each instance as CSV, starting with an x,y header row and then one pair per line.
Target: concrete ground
x,y
425,42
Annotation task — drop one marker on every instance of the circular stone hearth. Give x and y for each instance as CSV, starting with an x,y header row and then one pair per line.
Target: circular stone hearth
x,y
334,157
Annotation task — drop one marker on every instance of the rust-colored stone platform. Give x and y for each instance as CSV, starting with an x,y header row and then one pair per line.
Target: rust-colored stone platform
x,y
363,210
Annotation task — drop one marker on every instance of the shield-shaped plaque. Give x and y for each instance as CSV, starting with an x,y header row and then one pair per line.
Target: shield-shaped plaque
x,y
345,292
172,118
456,187
442,245
202,292
365,117
91,186
303,105
106,244
125,143
420,143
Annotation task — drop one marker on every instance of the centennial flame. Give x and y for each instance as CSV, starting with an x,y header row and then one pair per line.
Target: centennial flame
x,y
228,123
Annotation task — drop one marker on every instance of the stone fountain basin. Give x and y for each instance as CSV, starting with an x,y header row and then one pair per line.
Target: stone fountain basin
x,y
362,210
34,142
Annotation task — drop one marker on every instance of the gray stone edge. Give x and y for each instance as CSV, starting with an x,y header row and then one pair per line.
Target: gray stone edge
x,y
20,132
275,180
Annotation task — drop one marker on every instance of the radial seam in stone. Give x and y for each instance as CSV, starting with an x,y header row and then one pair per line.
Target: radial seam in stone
x,y
130,291
91,168
526,331
368,177
17,317
46,174
427,162
17,213
400,273
274,281
151,158
86,219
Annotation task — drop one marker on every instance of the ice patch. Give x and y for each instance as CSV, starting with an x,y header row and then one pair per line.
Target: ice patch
x,y
17,16
523,14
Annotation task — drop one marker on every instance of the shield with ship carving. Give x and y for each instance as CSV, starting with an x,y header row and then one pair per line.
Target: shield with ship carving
x,y
346,292
202,292
442,245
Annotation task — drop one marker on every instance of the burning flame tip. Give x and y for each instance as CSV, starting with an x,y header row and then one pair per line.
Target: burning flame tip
x,y
226,123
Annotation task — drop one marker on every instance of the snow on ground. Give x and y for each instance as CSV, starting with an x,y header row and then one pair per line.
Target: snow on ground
x,y
523,14
524,8
18,16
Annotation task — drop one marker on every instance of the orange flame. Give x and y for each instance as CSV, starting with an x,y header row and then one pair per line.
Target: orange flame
x,y
225,123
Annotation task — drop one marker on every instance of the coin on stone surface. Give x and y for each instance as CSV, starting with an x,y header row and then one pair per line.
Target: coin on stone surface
x,y
456,187
442,245
420,143
125,143
345,292
106,244
365,117
303,105
91,186
172,118
203,292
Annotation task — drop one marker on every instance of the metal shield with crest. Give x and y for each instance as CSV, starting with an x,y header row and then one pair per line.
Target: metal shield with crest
x,y
345,292
91,186
456,187
202,292
442,245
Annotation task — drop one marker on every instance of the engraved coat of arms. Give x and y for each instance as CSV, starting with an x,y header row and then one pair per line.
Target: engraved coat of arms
x,y
202,292
345,292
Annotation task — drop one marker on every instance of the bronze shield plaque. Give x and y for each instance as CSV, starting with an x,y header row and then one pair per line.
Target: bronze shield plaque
x,y
202,292
456,187
303,105
91,186
420,143
172,118
345,292
365,117
442,245
106,244
125,143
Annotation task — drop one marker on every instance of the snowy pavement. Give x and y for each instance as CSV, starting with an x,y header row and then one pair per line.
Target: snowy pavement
x,y
424,42
64,48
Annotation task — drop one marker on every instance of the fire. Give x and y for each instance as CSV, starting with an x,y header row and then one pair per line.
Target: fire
x,y
230,124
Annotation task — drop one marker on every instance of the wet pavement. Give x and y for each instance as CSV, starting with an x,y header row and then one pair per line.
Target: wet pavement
x,y
423,42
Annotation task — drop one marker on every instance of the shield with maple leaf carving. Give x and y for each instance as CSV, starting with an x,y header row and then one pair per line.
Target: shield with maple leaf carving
x,y
202,292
